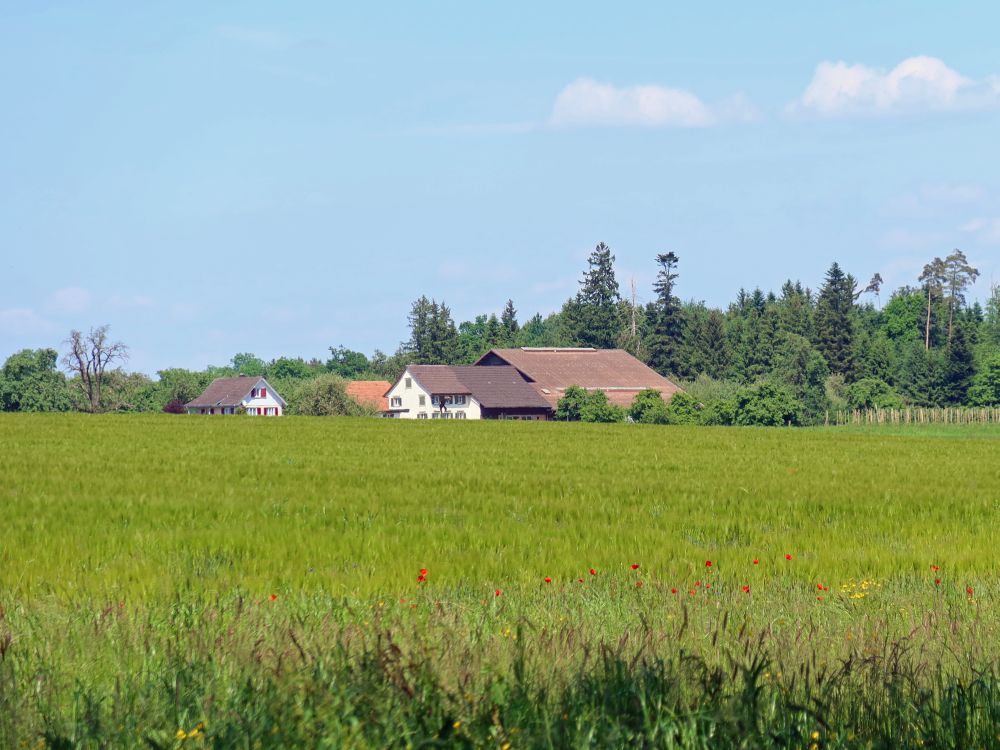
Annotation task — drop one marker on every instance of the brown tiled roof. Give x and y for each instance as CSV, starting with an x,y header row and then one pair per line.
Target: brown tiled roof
x,y
370,392
551,371
493,387
228,391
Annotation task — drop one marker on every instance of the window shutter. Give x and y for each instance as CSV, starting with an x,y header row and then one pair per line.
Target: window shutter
x,y
263,392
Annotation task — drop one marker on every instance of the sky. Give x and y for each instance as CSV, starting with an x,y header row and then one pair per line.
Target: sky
x,y
279,178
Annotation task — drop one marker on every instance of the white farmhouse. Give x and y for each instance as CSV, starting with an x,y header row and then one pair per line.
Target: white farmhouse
x,y
457,392
250,394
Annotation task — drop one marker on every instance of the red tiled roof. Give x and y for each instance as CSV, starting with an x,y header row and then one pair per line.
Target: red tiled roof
x,y
551,371
370,392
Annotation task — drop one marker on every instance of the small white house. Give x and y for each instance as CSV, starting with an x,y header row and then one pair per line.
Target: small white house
x,y
246,393
464,392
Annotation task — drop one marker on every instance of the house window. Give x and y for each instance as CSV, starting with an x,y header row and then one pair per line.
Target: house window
x,y
409,382
422,415
202,411
396,401
423,400
459,400
459,415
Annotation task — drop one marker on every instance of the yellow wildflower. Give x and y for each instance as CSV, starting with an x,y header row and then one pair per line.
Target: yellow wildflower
x,y
181,734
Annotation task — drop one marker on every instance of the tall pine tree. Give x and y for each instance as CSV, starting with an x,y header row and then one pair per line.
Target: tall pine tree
x,y
667,328
592,317
834,327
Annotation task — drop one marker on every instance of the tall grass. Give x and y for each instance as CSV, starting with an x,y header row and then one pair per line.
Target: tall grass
x,y
187,582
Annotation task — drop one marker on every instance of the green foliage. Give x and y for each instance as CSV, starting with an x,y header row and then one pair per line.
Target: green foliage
x,y
834,324
648,407
985,390
246,363
683,409
872,393
30,381
284,368
804,371
347,363
766,404
580,405
326,396
592,317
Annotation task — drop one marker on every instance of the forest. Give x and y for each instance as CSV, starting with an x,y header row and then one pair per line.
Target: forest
x,y
778,357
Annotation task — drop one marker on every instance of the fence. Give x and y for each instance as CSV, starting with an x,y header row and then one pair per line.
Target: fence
x,y
916,415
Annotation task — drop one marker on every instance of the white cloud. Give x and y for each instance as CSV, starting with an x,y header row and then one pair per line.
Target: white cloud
x,y
23,321
917,84
984,229
586,102
71,300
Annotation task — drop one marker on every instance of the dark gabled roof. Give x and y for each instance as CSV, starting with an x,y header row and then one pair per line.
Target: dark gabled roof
x,y
493,387
551,371
370,392
231,391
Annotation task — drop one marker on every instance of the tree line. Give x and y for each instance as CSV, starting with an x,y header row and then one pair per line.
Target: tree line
x,y
791,354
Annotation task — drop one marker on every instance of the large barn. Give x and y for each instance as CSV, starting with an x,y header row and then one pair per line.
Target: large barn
x,y
524,383
551,371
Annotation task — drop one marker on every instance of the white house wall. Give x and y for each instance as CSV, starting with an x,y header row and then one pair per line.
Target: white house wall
x,y
410,402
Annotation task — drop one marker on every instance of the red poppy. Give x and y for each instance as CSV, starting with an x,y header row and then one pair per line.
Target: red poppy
x,y
697,583
708,563
497,592
691,592
937,581
819,586
635,566
421,578
969,590
756,561
673,591
274,597
935,568
402,601
413,606
788,557
579,580
819,598
593,572
548,580
746,589
423,571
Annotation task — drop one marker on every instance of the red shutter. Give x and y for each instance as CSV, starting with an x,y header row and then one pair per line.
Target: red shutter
x,y
263,392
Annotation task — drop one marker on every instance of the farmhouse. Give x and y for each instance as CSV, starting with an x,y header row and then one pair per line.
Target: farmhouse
x,y
551,371
370,392
464,392
251,394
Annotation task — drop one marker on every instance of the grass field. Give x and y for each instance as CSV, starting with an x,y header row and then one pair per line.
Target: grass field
x,y
176,581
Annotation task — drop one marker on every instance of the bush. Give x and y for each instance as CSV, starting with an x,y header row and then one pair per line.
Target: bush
x,y
766,404
683,409
649,407
174,406
581,405
326,396
872,393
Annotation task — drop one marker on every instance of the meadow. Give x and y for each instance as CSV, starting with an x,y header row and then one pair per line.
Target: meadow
x,y
186,582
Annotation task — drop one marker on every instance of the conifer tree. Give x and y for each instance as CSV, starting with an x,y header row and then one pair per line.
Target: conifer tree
x,y
592,317
834,327
667,329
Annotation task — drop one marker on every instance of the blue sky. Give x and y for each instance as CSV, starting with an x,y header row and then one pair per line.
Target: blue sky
x,y
218,177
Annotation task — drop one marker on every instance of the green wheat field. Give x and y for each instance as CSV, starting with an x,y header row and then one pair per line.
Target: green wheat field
x,y
192,582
